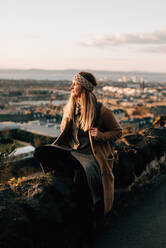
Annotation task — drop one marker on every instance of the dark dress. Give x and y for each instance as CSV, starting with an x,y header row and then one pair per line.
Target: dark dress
x,y
81,150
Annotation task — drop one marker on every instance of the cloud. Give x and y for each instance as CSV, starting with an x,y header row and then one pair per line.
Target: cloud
x,y
154,49
154,38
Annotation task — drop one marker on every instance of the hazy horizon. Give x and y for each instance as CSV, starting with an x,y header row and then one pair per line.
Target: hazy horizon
x,y
41,74
79,69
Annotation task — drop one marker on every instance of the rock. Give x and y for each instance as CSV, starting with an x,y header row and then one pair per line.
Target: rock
x,y
40,210
15,227
136,152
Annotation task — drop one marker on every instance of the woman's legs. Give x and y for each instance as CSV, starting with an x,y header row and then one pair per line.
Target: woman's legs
x,y
55,160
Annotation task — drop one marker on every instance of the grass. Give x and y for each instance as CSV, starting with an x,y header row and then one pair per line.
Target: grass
x,y
8,147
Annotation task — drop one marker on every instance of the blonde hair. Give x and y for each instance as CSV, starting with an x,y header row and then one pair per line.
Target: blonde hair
x,y
88,110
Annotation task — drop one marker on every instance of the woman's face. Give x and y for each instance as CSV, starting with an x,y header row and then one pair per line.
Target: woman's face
x,y
76,89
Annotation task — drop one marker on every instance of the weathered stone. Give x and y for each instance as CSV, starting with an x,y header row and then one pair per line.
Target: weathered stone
x,y
40,210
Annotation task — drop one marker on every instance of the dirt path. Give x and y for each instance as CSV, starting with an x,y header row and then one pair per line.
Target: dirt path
x,y
142,225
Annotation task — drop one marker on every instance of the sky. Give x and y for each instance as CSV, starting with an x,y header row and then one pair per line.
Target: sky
x,y
115,35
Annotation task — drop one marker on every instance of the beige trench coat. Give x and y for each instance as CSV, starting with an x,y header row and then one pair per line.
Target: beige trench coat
x,y
102,151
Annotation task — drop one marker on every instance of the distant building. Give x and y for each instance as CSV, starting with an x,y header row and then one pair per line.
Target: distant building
x,y
143,86
137,123
133,85
8,125
119,113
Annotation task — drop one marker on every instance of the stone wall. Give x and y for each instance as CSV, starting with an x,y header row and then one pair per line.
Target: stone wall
x,y
42,210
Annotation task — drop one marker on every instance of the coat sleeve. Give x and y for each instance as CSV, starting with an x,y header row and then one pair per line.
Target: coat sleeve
x,y
111,128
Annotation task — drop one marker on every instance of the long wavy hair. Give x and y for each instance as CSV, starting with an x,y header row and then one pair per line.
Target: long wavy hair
x,y
88,103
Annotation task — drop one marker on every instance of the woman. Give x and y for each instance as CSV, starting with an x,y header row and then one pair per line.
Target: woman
x,y
87,128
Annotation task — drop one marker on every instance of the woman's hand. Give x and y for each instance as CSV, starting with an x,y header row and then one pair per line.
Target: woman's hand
x,y
96,133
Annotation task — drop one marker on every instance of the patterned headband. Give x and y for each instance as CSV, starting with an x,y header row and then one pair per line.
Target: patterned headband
x,y
84,82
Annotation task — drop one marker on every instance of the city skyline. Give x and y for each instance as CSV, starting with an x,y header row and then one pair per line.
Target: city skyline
x,y
107,35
